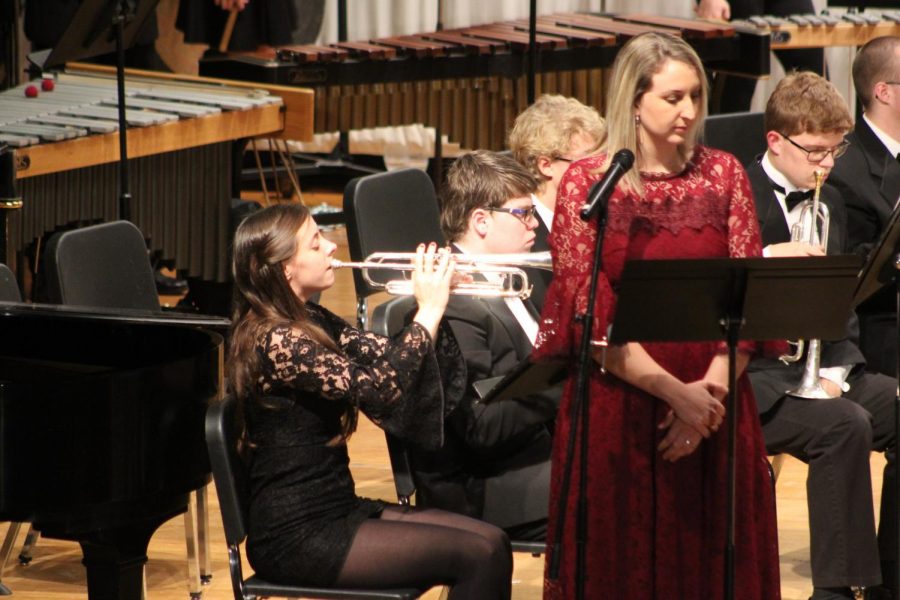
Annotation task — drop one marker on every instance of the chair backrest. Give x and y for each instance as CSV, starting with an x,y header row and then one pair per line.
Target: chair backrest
x,y
103,265
228,468
9,289
742,134
389,212
388,319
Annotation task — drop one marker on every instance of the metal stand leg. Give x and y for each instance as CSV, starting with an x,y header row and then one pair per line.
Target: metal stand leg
x,y
203,535
190,537
31,539
5,552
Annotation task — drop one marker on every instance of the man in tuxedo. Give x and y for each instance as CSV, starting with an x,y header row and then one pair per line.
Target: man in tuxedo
x,y
546,137
495,462
868,177
734,94
806,120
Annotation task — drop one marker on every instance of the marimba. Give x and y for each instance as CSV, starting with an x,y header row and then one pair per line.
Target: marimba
x,y
471,82
180,134
825,30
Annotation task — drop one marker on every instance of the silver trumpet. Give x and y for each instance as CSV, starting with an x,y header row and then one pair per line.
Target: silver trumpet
x,y
504,274
812,228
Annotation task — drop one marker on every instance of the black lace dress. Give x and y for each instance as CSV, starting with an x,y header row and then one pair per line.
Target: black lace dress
x,y
304,510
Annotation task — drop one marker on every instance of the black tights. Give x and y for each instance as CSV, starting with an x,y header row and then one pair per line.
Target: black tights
x,y
422,548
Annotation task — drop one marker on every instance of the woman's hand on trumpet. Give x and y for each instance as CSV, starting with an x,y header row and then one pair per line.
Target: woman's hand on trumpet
x,y
432,278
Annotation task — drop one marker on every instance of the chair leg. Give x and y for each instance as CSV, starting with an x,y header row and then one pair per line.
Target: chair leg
x,y
203,534
5,552
31,539
777,463
190,537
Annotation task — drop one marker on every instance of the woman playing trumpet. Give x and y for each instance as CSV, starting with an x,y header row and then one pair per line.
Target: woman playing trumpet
x,y
301,374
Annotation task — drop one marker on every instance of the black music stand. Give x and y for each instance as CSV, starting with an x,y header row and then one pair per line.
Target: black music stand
x,y
100,27
881,268
732,300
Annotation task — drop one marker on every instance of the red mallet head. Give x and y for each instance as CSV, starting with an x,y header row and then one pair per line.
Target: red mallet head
x,y
47,85
31,91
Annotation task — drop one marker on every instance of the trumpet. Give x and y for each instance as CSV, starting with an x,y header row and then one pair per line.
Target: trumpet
x,y
504,273
812,228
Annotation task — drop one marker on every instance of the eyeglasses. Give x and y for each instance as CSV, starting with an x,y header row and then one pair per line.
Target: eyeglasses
x,y
816,156
523,214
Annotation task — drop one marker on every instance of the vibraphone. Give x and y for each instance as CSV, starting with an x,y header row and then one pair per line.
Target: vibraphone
x,y
180,135
825,30
471,82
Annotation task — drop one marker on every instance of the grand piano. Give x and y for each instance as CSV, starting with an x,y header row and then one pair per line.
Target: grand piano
x,y
101,428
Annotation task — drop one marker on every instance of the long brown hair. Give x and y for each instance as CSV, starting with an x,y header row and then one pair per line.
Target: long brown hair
x,y
263,298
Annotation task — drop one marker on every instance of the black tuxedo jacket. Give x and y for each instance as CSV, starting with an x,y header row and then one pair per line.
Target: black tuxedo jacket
x,y
495,462
769,376
868,179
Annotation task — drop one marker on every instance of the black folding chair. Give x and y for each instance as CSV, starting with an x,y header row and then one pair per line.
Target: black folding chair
x,y
742,134
388,212
231,486
9,289
388,319
107,266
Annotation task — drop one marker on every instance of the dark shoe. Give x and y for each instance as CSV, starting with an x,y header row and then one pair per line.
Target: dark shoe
x,y
878,592
842,593
170,286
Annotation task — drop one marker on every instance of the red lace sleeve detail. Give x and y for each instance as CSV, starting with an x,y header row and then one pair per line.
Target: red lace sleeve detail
x,y
744,238
572,243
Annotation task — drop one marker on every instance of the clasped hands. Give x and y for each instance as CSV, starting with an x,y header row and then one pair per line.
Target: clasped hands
x,y
232,4
696,413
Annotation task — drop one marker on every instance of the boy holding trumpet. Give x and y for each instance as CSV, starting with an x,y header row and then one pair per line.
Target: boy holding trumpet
x,y
806,121
495,462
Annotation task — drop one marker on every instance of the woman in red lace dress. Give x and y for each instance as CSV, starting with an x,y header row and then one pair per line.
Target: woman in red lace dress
x,y
656,472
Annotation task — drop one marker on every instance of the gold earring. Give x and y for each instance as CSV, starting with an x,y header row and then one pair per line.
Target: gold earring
x,y
637,120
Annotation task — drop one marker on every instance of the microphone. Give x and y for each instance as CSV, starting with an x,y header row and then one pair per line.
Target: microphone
x,y
600,192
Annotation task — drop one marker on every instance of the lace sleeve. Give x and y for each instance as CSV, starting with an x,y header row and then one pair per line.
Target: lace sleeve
x,y
745,240
743,227
399,388
572,242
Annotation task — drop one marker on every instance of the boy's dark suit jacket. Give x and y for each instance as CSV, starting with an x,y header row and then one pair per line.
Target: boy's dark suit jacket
x,y
495,463
769,376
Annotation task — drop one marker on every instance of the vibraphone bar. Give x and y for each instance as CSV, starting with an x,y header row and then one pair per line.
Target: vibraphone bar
x,y
471,82
825,30
179,146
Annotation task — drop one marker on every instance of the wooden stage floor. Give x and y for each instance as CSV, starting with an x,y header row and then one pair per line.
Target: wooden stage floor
x,y
56,573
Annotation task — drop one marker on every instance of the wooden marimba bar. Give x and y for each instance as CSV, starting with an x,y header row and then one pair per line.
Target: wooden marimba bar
x,y
180,135
825,30
471,82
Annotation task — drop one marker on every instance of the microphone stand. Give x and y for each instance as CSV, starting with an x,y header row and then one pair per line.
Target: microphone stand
x,y
123,15
578,416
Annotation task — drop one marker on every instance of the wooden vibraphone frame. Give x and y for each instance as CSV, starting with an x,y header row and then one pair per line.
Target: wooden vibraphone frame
x,y
180,174
471,83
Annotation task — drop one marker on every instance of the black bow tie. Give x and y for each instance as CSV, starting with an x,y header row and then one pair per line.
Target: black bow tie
x,y
794,198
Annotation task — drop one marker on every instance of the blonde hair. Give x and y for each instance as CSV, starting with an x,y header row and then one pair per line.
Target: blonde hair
x,y
632,75
804,102
546,128
875,62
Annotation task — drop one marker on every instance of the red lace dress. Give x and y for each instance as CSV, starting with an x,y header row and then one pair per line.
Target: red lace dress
x,y
656,530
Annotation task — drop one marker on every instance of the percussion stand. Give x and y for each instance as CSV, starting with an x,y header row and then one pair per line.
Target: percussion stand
x,y
99,27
